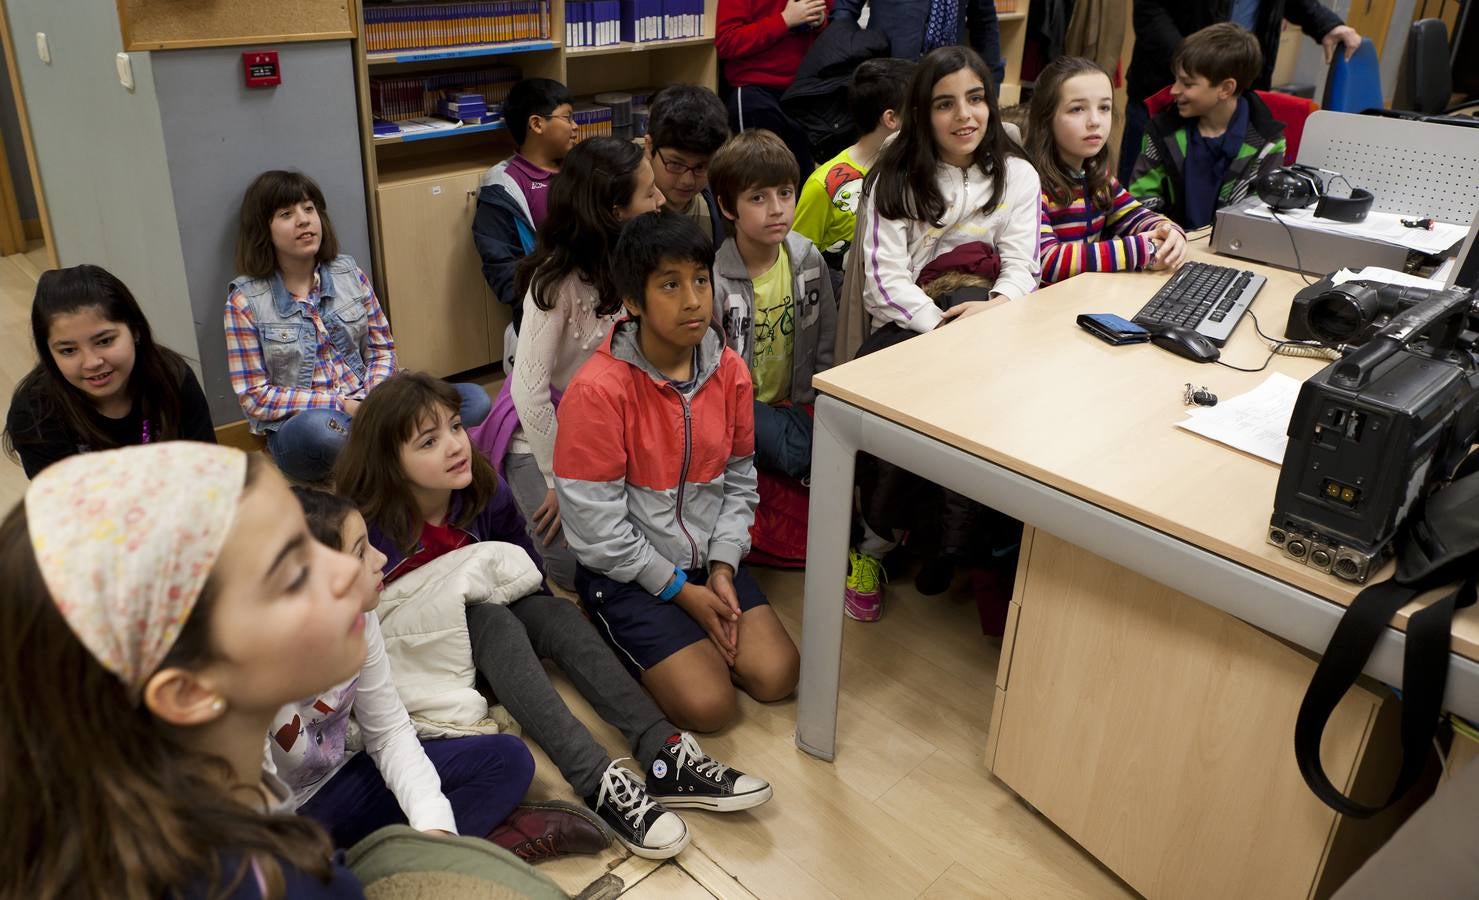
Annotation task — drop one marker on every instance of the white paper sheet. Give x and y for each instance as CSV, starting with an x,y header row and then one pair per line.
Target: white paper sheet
x,y
1255,422
1386,276
1378,226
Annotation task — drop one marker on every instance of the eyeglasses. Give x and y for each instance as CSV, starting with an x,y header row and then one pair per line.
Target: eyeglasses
x,y
677,168
568,117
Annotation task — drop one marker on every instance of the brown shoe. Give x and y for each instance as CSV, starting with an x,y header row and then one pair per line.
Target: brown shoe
x,y
546,829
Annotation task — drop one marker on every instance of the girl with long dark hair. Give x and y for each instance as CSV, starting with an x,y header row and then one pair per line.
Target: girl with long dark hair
x,y
100,380
570,304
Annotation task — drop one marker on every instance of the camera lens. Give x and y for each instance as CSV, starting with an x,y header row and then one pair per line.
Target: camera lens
x,y
1341,313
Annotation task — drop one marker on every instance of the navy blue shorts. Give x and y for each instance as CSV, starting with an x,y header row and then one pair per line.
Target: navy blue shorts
x,y
643,630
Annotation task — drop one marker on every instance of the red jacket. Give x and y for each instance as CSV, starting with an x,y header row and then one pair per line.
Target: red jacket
x,y
650,480
755,44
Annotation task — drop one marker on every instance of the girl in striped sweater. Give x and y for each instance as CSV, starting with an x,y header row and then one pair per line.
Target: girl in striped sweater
x,y
1090,223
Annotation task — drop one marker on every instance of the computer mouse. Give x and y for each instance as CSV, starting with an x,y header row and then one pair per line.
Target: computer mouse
x,y
1187,342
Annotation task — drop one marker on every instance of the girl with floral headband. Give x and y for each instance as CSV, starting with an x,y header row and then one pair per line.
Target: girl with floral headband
x,y
141,664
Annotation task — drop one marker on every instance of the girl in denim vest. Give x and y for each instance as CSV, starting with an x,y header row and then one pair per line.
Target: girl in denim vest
x,y
306,338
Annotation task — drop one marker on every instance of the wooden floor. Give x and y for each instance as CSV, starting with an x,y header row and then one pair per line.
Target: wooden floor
x,y
907,810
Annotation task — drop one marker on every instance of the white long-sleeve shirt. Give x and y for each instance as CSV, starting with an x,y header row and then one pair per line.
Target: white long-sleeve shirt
x,y
553,344
307,740
895,251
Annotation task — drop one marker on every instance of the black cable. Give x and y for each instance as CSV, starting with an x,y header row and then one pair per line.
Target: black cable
x,y
1299,266
1271,354
1278,341
1278,345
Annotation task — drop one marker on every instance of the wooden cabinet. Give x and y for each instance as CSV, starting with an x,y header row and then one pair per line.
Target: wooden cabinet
x,y
1158,733
438,303
428,272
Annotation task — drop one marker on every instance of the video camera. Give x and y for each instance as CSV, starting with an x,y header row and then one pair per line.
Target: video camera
x,y
1371,432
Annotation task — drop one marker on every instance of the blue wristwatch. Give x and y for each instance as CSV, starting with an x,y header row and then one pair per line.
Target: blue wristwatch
x,y
674,586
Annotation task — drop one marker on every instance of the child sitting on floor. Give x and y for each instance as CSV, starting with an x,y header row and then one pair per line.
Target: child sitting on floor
x,y
514,194
774,294
425,493
469,785
655,470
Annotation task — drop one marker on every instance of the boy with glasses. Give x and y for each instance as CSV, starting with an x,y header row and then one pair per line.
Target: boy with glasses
x,y
515,193
686,125
773,295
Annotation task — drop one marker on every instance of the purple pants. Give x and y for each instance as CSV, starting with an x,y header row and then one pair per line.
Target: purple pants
x,y
484,777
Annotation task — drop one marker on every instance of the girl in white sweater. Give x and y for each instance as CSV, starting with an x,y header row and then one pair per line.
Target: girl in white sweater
x,y
569,307
950,178
954,190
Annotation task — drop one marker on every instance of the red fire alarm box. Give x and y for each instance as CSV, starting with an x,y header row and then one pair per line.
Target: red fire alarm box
x,y
261,69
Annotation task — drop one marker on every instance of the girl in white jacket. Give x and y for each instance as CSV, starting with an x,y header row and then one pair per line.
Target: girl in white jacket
x,y
950,182
470,785
951,177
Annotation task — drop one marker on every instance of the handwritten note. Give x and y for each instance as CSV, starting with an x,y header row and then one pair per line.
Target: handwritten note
x,y
1256,422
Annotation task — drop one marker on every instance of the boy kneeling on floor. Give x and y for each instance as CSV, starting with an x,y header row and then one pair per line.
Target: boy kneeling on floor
x,y
655,470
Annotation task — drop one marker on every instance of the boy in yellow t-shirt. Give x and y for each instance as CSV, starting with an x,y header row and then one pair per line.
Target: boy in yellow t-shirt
x,y
772,294
827,210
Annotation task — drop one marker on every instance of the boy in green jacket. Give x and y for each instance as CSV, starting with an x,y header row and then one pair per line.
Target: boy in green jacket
x,y
1206,150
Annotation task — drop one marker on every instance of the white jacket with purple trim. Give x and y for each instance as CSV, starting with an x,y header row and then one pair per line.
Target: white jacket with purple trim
x,y
895,251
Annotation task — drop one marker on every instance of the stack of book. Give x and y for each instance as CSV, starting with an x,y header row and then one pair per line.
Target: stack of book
x,y
426,26
403,97
464,107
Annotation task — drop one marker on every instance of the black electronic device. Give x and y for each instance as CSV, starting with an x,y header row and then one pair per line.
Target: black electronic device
x,y
1372,432
1113,329
1347,315
1210,299
1186,342
1295,187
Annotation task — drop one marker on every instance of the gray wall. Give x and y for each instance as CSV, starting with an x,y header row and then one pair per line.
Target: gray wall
x,y
101,157
219,135
15,148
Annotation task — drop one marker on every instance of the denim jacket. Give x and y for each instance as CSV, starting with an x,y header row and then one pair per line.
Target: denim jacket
x,y
289,338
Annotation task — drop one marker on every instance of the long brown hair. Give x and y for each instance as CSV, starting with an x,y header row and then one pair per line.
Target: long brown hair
x,y
903,181
369,468
1042,147
598,176
102,799
154,385
268,193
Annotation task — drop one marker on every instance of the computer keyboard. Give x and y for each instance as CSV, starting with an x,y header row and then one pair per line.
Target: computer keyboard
x,y
1209,299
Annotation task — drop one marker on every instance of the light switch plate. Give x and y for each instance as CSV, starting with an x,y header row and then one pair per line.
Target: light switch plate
x,y
43,47
125,71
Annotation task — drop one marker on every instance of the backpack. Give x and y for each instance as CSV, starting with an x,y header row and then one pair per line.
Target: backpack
x,y
1438,545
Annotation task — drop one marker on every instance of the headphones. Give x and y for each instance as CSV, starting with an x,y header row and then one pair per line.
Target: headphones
x,y
1295,187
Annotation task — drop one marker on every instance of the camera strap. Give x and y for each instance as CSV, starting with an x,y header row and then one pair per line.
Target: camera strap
x,y
1438,546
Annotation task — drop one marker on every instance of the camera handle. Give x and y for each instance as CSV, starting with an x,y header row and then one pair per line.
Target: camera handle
x,y
1444,308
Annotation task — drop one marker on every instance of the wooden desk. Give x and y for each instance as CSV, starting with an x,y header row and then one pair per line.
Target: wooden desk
x,y
1154,729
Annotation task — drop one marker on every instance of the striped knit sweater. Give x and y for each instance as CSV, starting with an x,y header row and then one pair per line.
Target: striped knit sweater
x,y
1076,237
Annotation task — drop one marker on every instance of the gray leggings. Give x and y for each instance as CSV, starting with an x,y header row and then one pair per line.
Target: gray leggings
x,y
508,643
527,482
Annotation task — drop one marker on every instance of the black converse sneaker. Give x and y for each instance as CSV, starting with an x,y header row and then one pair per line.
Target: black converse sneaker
x,y
684,777
639,821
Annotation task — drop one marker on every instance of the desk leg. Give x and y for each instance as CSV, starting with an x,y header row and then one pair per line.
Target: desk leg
x,y
834,451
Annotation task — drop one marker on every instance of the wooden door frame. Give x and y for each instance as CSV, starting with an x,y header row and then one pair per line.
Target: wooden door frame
x,y
7,187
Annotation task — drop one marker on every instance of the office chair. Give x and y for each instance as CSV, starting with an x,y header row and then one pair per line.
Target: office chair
x,y
1428,77
1354,85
